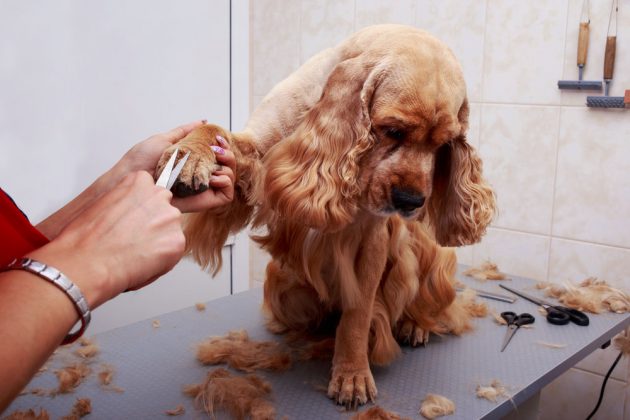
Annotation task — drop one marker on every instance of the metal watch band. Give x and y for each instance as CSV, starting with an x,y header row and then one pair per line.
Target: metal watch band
x,y
57,278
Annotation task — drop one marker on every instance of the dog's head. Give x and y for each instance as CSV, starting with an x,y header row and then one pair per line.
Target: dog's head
x,y
387,136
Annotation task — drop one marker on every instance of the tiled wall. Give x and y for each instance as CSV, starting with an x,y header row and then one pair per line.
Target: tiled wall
x,y
561,170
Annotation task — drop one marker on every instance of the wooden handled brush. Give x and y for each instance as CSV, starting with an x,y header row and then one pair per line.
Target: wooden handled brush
x,y
609,57
582,44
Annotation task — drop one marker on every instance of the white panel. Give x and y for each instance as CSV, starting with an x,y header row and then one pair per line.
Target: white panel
x,y
81,82
181,288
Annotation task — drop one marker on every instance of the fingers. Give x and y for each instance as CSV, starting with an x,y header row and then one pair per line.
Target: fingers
x,y
182,131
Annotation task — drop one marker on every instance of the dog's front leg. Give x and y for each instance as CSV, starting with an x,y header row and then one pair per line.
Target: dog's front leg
x,y
352,383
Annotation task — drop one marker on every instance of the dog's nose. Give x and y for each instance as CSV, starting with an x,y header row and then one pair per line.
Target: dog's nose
x,y
407,201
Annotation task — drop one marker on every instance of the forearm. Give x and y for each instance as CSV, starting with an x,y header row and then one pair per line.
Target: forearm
x,y
35,315
54,224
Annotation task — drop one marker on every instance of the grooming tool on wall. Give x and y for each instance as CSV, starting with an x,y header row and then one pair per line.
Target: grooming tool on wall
x,y
169,174
582,52
514,322
609,66
557,315
490,295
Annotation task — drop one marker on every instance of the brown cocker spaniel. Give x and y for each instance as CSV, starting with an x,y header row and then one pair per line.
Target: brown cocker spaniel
x,y
358,167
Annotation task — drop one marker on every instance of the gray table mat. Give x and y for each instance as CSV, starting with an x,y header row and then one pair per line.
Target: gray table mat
x,y
153,364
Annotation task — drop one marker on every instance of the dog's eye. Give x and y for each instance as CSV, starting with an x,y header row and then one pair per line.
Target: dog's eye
x,y
395,133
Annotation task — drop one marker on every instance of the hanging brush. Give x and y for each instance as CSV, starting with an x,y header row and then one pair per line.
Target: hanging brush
x,y
609,66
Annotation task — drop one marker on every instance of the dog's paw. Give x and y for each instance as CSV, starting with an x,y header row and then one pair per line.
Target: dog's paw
x,y
195,175
412,334
352,388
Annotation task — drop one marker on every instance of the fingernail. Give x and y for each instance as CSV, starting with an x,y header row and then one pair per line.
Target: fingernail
x,y
218,150
214,178
222,141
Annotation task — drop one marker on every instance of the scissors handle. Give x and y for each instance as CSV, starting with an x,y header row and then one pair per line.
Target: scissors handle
x,y
560,315
518,320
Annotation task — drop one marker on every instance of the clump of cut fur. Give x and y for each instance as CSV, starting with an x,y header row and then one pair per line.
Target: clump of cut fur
x,y
487,271
200,306
240,396
155,323
177,411
498,318
551,345
71,377
591,295
622,341
469,302
435,405
81,408
239,352
492,392
105,377
30,414
377,413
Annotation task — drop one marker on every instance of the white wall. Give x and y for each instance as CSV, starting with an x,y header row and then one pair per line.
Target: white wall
x,y
82,81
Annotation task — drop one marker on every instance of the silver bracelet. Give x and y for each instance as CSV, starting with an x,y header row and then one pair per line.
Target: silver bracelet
x,y
57,278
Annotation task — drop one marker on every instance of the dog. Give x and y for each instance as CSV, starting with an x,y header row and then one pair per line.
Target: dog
x,y
358,168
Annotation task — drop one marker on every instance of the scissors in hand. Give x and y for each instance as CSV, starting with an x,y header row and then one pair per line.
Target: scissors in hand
x,y
557,315
169,174
514,322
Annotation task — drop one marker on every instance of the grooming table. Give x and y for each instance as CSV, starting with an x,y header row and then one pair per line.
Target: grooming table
x,y
152,364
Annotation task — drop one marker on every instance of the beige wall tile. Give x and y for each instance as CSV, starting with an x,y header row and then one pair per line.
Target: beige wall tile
x,y
325,23
574,395
275,38
601,360
255,101
474,125
516,253
372,12
461,26
599,13
518,148
464,255
592,195
574,261
523,54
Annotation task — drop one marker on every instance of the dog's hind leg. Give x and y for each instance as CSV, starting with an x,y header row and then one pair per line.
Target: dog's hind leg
x,y
289,304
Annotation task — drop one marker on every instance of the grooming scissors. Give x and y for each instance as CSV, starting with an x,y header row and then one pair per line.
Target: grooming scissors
x,y
556,314
514,322
169,174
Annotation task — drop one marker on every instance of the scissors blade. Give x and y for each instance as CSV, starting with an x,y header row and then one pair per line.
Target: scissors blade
x,y
166,172
526,296
508,335
178,168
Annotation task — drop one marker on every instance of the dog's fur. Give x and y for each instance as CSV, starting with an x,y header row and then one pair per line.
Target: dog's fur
x,y
336,164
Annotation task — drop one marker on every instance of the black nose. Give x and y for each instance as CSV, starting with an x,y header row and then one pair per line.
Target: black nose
x,y
406,201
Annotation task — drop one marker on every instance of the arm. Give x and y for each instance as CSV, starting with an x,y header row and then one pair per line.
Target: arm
x,y
111,238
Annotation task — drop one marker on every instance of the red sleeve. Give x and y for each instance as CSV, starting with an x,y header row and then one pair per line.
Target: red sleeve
x,y
17,236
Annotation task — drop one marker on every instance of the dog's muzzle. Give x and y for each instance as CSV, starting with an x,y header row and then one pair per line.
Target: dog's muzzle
x,y
406,201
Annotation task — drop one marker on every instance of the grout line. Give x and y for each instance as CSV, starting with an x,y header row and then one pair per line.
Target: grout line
x,y
483,54
600,374
529,104
564,238
553,200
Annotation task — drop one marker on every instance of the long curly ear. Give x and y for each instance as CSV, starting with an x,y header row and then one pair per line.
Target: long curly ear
x,y
462,204
310,176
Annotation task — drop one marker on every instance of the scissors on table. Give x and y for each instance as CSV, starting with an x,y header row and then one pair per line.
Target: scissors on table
x,y
514,322
169,174
556,314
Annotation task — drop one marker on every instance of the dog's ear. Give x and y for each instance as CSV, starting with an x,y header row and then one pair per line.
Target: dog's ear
x,y
462,204
310,176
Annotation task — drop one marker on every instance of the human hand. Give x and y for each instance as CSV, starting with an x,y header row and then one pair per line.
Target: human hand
x,y
126,239
144,156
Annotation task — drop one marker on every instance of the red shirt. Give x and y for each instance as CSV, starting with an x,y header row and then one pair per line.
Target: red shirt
x,y
17,236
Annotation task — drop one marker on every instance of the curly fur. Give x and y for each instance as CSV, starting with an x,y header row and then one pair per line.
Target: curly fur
x,y
335,165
